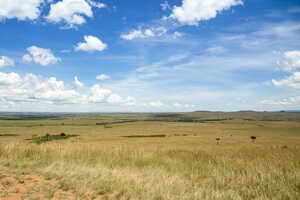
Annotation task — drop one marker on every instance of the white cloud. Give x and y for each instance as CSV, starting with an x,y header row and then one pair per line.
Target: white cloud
x,y
286,29
215,50
159,31
193,11
189,106
77,83
291,62
20,9
177,58
98,94
292,81
130,101
102,77
177,105
27,58
186,106
156,104
96,4
6,61
73,12
65,51
177,34
137,34
32,88
37,89
6,104
41,56
282,102
146,33
9,78
91,43
165,6
114,99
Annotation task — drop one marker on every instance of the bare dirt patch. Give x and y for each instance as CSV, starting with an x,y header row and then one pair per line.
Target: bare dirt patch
x,y
37,187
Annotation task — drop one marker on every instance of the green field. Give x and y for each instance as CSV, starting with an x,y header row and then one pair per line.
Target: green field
x,y
150,156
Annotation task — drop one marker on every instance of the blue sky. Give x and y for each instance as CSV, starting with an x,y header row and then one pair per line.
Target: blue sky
x,y
149,56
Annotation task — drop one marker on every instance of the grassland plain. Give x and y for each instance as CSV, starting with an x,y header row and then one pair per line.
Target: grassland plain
x,y
151,156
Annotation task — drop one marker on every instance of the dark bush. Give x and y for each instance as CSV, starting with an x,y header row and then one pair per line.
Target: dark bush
x,y
8,134
144,136
48,138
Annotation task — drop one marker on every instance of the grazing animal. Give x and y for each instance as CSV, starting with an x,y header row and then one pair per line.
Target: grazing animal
x,y
218,140
253,138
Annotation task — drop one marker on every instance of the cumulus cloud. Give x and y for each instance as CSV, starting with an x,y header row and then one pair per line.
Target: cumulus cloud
x,y
283,102
292,81
32,88
5,61
27,58
137,34
38,89
72,12
16,90
102,77
20,9
193,11
98,94
77,83
91,43
291,62
9,78
41,56
146,33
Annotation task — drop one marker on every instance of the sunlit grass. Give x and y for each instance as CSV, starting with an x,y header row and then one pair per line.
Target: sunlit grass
x,y
185,164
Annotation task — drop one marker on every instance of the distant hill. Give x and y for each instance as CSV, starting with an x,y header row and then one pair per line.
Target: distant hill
x,y
295,111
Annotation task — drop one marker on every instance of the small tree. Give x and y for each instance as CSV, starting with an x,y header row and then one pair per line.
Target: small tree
x,y
47,136
253,138
218,140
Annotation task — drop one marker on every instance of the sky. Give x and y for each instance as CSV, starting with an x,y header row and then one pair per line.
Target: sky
x,y
149,56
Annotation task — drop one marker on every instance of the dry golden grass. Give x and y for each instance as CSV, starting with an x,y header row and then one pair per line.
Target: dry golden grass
x,y
186,164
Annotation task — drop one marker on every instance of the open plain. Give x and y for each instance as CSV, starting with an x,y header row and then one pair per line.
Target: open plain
x,y
150,156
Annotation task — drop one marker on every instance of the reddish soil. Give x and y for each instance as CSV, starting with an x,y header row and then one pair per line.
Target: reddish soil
x,y
37,187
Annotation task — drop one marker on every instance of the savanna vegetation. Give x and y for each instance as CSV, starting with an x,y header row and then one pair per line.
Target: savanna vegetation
x,y
198,155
